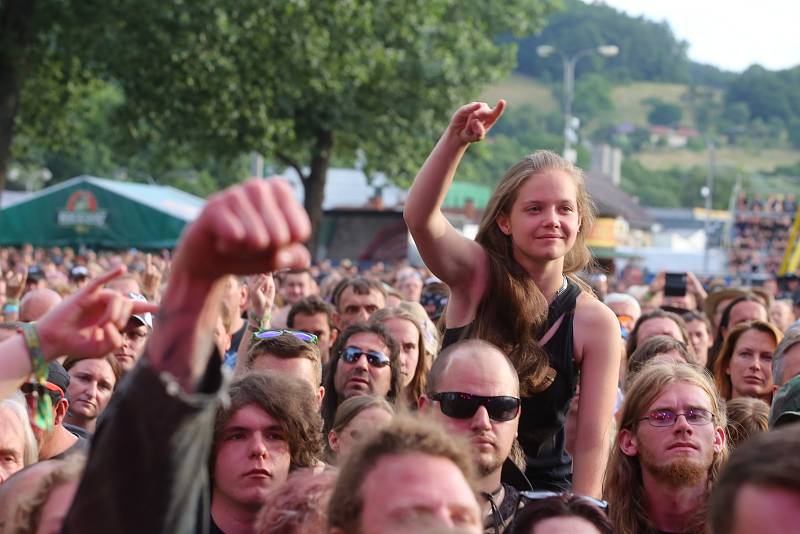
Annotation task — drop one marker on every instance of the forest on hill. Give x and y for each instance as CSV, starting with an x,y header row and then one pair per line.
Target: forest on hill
x,y
662,109
166,93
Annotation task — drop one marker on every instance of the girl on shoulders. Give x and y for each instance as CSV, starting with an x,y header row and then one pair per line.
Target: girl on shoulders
x,y
515,285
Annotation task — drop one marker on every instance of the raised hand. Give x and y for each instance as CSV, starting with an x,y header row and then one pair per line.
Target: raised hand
x,y
15,283
88,323
247,229
261,296
473,121
151,278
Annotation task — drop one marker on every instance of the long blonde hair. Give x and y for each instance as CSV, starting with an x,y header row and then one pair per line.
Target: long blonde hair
x,y
512,313
623,486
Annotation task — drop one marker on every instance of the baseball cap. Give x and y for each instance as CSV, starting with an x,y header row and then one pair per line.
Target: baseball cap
x,y
786,404
58,376
79,271
145,318
35,273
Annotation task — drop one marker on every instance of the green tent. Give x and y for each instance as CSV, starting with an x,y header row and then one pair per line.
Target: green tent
x,y
100,213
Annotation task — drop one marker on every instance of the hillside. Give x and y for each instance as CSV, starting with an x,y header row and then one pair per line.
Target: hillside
x,y
519,90
629,106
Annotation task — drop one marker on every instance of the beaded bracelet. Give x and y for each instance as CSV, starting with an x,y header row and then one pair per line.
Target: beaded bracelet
x,y
43,417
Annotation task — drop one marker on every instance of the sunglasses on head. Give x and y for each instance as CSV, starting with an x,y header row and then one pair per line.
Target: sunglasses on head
x,y
302,336
464,405
374,358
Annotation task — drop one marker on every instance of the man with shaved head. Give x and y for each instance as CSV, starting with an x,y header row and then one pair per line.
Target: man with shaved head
x,y
36,303
473,391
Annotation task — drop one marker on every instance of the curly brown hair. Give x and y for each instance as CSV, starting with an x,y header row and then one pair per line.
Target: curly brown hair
x,y
291,401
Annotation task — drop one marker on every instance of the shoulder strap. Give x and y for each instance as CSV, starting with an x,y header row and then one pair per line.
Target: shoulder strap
x,y
564,303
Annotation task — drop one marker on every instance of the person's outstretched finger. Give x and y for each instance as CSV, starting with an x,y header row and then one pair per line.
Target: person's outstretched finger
x,y
143,307
124,313
112,309
496,112
96,283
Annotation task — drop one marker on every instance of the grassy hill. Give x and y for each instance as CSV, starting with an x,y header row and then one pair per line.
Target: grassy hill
x,y
746,161
519,90
629,101
629,106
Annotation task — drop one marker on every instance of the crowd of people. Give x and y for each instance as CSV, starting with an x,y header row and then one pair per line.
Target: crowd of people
x,y
231,387
760,232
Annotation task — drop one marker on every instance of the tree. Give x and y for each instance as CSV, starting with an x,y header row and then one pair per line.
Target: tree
x,y
306,81
647,50
664,113
592,98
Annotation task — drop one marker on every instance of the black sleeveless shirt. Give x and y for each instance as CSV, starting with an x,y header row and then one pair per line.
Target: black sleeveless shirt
x,y
541,425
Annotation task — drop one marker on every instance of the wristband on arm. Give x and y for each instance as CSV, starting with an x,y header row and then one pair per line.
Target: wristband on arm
x,y
39,402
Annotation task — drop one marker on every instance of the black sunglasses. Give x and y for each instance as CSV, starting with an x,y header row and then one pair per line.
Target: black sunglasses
x,y
463,405
374,358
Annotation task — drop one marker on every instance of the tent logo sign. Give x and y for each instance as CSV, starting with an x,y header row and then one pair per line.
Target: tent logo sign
x,y
82,212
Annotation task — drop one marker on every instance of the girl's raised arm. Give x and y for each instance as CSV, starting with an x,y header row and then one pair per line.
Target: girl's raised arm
x,y
448,254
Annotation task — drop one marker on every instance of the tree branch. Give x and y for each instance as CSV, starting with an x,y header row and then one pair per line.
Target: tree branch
x,y
286,160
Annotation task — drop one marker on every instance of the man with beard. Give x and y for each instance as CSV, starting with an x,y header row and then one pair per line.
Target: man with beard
x,y
669,450
364,361
473,390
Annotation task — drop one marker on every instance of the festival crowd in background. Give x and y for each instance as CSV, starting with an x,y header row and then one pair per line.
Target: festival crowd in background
x,y
232,386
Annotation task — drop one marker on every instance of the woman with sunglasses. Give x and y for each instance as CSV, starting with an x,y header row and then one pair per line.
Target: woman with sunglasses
x,y
516,286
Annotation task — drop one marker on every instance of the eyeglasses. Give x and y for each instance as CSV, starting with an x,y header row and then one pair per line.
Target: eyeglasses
x,y
694,416
374,358
464,405
299,334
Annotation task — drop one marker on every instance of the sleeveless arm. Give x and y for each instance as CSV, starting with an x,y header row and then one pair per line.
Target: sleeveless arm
x,y
449,255
598,340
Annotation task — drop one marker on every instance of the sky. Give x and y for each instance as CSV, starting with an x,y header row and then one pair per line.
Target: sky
x,y
729,34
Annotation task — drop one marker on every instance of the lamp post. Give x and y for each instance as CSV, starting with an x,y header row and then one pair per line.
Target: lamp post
x,y
570,126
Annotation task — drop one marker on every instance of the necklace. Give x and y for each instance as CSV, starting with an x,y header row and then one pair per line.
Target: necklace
x,y
561,289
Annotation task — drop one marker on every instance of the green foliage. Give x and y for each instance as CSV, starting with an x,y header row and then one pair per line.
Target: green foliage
x,y
767,94
787,170
593,98
664,113
303,81
648,50
675,187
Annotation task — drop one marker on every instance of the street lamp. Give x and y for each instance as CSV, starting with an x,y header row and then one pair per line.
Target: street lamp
x,y
570,123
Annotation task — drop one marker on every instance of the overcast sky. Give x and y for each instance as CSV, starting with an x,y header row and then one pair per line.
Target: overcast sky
x,y
730,34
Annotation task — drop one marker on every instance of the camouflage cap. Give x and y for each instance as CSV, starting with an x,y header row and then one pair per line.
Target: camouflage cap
x,y
786,404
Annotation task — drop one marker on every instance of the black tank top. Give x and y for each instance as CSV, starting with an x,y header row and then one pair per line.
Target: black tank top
x,y
541,425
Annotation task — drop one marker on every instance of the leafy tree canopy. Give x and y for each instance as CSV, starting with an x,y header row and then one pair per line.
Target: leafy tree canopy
x,y
303,80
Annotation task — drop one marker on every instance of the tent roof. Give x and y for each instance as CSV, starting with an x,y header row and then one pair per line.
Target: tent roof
x,y
92,211
171,201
